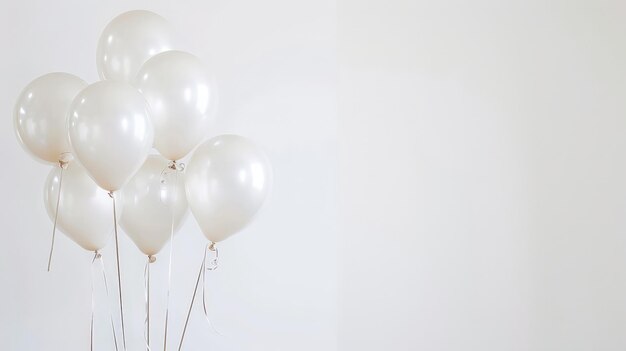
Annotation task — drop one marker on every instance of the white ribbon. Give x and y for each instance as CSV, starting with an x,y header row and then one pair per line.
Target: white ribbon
x,y
63,166
201,275
119,273
98,256
146,276
174,168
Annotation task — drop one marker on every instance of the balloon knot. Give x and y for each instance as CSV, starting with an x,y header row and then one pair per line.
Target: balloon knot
x,y
98,254
151,259
64,159
63,164
111,194
176,166
212,246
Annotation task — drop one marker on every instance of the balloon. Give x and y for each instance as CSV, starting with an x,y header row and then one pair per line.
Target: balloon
x,y
148,205
182,97
128,41
40,115
110,132
85,211
227,181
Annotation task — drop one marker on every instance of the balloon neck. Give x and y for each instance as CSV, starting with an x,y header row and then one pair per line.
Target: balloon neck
x,y
97,254
151,259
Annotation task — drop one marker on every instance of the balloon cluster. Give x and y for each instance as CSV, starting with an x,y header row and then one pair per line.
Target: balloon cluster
x,y
102,135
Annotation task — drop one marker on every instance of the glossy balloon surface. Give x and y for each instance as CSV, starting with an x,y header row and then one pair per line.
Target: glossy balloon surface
x,y
182,96
128,41
110,132
150,205
227,181
85,210
41,112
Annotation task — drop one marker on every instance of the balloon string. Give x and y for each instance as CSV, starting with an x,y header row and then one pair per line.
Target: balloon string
x,y
98,256
93,302
169,284
146,274
119,273
106,288
214,264
174,168
193,298
56,214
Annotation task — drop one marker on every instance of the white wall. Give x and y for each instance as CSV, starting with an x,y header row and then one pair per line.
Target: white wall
x,y
276,287
482,175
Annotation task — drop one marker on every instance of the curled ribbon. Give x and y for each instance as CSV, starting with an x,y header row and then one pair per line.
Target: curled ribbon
x,y
212,265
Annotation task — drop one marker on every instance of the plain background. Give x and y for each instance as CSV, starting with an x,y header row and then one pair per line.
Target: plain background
x,y
276,288
481,177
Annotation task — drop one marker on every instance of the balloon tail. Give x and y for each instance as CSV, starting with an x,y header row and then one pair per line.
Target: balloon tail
x,y
98,256
193,298
63,166
119,273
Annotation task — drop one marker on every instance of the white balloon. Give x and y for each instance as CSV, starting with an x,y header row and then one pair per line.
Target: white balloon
x,y
40,115
85,211
149,205
227,181
128,41
182,97
110,132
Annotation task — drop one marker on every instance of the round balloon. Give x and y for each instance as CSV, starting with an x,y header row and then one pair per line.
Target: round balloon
x,y
85,211
227,181
40,114
128,41
150,206
110,132
182,96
